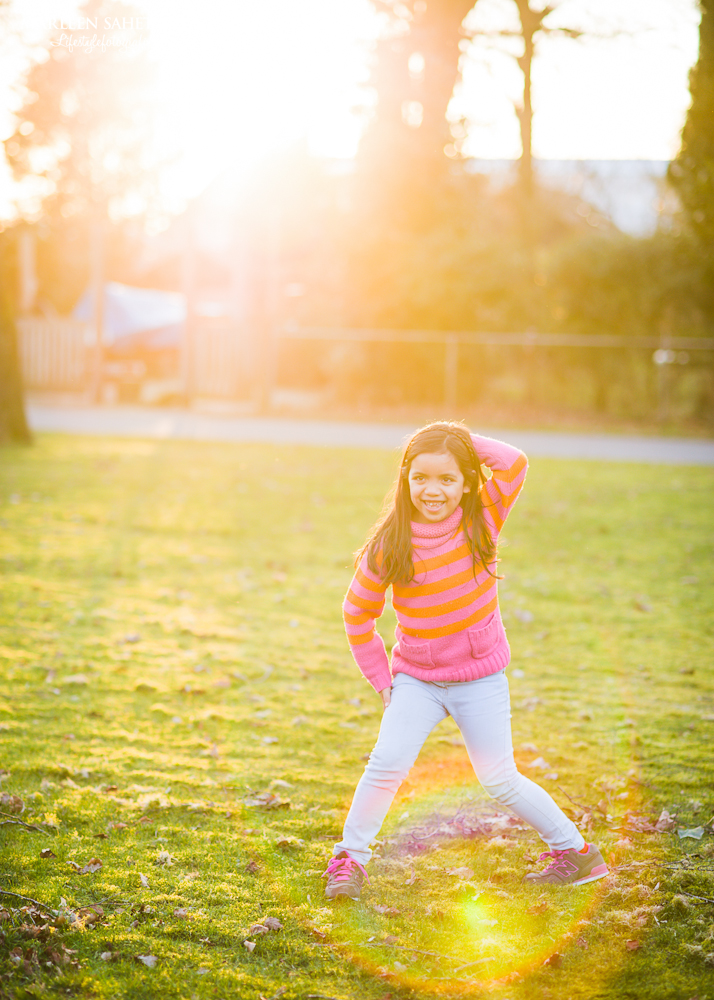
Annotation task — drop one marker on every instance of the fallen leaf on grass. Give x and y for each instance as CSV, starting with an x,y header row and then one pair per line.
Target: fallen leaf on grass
x,y
463,873
47,853
165,859
144,880
554,960
696,832
538,908
267,800
101,836
388,911
252,867
107,956
181,913
665,822
90,868
76,679
203,971
250,945
540,763
273,924
11,803
91,914
633,945
148,960
582,943
285,843
412,878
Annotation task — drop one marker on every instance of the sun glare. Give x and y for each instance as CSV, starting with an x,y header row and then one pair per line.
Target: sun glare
x,y
238,80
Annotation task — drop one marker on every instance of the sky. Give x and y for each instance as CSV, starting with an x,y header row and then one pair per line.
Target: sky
x,y
238,78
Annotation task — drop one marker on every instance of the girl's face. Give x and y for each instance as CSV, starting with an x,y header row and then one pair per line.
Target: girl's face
x,y
436,486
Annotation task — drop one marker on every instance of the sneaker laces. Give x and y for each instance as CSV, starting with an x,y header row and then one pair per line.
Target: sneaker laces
x,y
557,856
341,869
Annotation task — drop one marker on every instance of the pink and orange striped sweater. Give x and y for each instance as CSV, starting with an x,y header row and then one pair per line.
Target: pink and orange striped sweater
x,y
449,624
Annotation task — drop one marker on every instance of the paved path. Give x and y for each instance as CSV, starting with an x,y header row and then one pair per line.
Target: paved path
x,y
136,421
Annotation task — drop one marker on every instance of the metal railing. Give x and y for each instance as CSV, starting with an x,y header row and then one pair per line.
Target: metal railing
x,y
667,350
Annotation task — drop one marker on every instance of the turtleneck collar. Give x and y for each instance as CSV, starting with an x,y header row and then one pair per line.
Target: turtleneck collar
x,y
437,531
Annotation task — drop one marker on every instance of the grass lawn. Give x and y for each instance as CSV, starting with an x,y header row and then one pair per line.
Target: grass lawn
x,y
177,702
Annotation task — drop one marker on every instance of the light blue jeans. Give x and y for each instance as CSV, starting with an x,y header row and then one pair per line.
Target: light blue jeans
x,y
482,711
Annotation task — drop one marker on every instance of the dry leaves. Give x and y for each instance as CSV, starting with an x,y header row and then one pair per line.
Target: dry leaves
x,y
696,832
92,866
267,800
269,924
466,874
91,914
538,908
287,842
47,853
165,859
144,880
148,960
539,763
11,803
633,945
180,913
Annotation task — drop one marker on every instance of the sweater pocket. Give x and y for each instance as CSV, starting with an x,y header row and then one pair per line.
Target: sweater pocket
x,y
418,654
486,637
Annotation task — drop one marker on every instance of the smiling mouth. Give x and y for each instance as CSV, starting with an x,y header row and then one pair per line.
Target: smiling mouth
x,y
433,504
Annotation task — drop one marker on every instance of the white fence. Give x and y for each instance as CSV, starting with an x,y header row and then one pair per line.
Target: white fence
x,y
58,354
54,353
218,367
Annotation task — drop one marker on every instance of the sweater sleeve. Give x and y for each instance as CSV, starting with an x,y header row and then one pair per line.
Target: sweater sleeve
x,y
508,465
362,606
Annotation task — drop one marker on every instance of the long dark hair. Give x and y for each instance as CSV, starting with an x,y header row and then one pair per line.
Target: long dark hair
x,y
389,545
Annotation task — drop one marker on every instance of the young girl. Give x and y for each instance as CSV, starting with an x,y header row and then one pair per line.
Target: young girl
x,y
436,545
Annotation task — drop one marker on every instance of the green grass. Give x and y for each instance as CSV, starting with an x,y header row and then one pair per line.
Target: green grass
x,y
171,646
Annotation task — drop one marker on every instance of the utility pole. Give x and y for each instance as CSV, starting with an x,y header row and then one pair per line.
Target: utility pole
x,y
271,306
187,351
97,284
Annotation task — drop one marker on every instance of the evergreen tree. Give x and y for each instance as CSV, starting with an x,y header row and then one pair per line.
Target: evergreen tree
x,y
692,173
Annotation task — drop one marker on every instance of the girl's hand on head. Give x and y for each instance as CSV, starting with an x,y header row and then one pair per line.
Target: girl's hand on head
x,y
386,694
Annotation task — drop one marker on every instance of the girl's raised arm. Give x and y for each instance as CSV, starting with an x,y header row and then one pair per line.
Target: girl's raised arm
x,y
508,465
362,606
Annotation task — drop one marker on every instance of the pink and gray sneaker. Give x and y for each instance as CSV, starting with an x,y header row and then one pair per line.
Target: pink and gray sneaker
x,y
569,867
344,877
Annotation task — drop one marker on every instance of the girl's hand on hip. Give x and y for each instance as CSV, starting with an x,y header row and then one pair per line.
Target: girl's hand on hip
x,y
386,694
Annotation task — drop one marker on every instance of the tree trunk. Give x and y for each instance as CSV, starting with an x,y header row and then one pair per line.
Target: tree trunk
x,y
531,22
408,148
13,423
